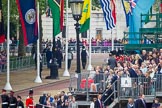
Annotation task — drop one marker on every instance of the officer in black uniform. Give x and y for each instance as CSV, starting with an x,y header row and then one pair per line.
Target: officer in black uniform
x,y
20,104
12,100
5,99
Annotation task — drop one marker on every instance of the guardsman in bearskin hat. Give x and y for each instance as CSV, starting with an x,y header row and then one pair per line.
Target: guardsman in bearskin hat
x,y
12,100
5,99
29,100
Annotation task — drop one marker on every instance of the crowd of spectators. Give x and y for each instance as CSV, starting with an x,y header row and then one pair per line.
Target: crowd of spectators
x,y
60,100
83,41
96,42
144,65
143,68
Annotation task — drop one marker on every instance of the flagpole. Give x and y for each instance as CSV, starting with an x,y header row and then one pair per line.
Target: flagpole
x,y
112,41
8,85
66,72
38,79
90,46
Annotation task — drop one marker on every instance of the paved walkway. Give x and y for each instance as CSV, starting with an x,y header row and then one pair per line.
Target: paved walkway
x,y
24,80
20,80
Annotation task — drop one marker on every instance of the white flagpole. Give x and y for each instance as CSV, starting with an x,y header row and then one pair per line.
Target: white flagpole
x,y
66,72
8,86
112,41
38,79
89,65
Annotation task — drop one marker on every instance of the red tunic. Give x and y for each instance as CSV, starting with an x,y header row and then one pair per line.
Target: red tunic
x,y
29,103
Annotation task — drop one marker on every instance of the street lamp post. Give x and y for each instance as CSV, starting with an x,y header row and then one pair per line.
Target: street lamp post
x,y
76,7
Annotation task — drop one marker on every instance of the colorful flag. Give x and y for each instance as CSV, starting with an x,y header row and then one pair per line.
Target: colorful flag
x,y
113,10
128,6
110,22
28,18
2,36
85,20
142,7
57,8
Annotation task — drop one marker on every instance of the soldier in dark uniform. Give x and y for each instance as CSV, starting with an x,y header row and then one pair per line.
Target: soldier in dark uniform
x,y
20,104
59,57
84,57
5,99
12,100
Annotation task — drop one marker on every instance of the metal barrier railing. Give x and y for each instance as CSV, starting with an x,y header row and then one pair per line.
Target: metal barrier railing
x,y
99,49
44,106
133,87
113,94
14,49
94,82
95,49
25,62
123,88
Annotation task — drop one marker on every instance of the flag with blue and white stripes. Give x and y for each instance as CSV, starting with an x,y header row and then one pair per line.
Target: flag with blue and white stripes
x,y
106,7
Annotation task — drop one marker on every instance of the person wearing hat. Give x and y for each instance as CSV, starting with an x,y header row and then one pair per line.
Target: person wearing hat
x,y
29,100
84,55
12,100
20,104
5,99
70,58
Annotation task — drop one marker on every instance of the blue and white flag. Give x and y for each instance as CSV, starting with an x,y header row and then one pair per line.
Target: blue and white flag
x,y
106,7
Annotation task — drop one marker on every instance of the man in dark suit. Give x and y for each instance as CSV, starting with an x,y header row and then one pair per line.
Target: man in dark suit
x,y
132,72
98,102
112,61
107,99
141,103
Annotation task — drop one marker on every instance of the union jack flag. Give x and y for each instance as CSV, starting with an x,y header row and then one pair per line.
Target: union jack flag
x,y
132,4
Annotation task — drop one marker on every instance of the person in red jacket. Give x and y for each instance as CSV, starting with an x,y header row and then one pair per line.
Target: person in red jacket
x,y
29,100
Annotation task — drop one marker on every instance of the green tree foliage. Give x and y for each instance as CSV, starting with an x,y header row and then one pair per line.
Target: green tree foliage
x,y
43,5
13,16
96,3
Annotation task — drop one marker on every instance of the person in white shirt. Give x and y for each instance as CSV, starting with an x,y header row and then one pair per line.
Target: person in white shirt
x,y
92,105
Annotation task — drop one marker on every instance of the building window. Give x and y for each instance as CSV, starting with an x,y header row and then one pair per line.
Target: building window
x,y
84,34
99,34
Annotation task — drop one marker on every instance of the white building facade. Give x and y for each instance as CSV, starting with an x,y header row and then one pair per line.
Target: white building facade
x,y
98,25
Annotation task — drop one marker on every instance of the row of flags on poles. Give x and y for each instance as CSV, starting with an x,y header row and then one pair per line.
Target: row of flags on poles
x,y
28,16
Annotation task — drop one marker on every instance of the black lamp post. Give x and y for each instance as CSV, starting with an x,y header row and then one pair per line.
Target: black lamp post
x,y
76,7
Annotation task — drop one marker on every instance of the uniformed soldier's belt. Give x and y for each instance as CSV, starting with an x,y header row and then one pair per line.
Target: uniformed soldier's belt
x,y
31,105
12,104
4,103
